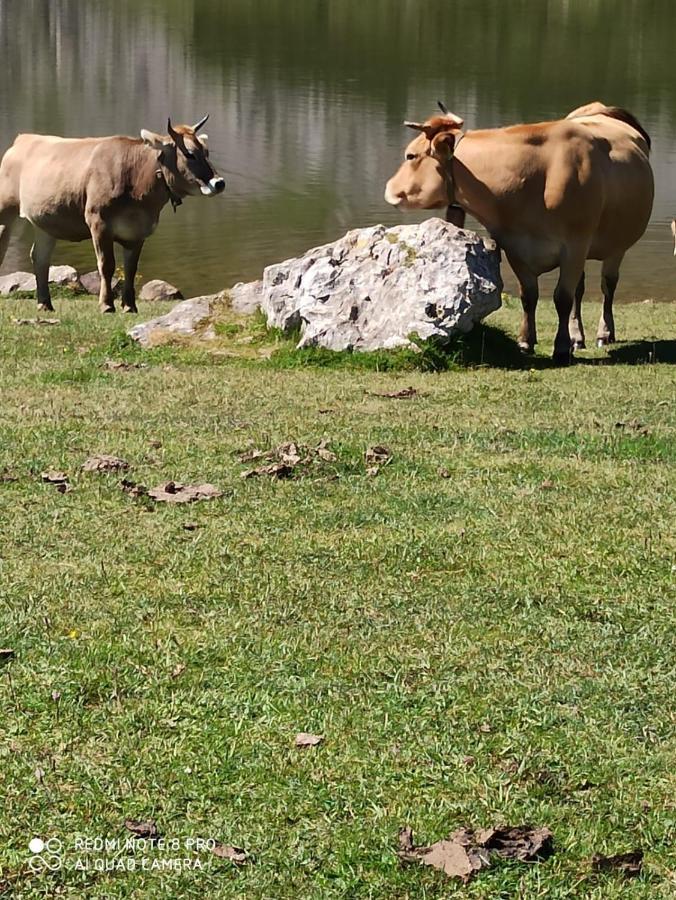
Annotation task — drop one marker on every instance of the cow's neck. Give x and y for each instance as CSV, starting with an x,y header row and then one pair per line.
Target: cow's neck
x,y
465,180
152,182
447,168
175,198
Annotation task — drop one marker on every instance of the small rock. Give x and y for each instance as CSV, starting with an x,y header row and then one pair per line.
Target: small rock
x,y
17,281
91,282
65,276
159,290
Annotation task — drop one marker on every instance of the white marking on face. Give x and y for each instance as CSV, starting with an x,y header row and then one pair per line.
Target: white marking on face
x,y
392,198
215,185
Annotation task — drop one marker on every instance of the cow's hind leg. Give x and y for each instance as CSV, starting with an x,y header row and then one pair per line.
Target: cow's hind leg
x,y
131,257
576,326
41,254
610,275
572,267
105,258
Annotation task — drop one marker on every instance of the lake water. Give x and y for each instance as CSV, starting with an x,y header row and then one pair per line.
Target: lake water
x,y
307,98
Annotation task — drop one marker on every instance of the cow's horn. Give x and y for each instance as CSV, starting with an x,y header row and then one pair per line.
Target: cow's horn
x,y
200,123
172,134
415,125
442,107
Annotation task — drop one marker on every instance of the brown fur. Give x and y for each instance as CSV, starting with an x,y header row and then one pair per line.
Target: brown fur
x,y
111,189
552,194
614,112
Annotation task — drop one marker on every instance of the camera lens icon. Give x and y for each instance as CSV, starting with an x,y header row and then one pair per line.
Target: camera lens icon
x,y
46,854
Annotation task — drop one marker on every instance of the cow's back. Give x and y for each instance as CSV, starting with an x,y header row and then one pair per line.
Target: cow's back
x,y
54,178
56,169
540,187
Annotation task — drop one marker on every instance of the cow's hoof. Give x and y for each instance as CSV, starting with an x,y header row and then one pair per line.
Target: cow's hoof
x,y
130,309
604,341
108,309
45,307
562,358
579,345
528,349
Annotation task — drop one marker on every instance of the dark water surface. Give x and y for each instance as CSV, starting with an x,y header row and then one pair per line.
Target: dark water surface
x,y
307,98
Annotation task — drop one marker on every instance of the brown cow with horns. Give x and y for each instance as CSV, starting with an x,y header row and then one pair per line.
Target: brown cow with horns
x,y
111,189
552,195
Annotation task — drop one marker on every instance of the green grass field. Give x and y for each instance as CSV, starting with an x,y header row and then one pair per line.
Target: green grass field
x,y
483,632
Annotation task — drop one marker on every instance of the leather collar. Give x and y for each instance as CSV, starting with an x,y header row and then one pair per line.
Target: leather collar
x,y
175,199
448,172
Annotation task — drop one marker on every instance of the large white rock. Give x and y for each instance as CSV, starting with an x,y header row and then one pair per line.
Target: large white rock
x,y
376,287
246,298
373,288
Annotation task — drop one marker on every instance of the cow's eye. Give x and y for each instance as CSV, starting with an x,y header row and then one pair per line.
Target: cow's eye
x,y
189,154
411,156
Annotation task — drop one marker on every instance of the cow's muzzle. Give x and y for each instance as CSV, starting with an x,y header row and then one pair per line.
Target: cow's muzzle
x,y
396,198
212,187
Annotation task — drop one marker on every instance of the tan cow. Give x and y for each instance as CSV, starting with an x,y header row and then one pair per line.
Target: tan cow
x,y
552,195
111,189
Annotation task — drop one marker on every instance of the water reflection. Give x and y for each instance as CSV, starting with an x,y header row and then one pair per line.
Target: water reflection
x,y
307,96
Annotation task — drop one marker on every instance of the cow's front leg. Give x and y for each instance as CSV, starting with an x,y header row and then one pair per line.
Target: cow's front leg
x,y
456,215
41,254
105,259
131,257
576,326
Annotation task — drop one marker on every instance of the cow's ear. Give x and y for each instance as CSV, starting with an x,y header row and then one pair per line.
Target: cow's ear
x,y
156,141
443,144
203,139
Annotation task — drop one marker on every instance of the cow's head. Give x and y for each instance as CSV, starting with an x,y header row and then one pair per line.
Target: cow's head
x,y
183,154
422,181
